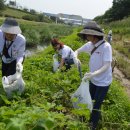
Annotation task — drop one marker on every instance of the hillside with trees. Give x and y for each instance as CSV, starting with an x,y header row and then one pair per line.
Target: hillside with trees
x,y
2,5
119,10
22,13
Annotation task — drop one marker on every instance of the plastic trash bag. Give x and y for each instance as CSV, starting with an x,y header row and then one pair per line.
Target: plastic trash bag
x,y
83,96
55,63
14,82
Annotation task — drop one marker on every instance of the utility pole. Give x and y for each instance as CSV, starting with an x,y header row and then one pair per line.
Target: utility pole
x,y
15,2
56,20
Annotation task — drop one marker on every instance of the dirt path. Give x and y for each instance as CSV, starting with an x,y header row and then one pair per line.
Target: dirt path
x,y
125,82
120,54
120,76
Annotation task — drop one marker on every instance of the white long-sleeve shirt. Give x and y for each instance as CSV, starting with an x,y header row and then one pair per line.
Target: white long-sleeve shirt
x,y
98,59
16,50
66,52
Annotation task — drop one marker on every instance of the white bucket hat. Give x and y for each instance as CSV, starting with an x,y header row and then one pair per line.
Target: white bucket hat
x,y
91,28
11,26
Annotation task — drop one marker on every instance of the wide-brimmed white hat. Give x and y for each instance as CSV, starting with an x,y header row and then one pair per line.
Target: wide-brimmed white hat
x,y
11,26
91,28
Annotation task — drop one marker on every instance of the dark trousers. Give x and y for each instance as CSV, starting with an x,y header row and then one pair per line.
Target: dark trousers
x,y
8,69
68,63
97,94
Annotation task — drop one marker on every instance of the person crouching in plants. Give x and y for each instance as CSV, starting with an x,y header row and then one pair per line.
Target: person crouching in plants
x,y
65,53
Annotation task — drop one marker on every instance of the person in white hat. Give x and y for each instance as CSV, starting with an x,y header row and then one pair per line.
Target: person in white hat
x,y
12,46
100,75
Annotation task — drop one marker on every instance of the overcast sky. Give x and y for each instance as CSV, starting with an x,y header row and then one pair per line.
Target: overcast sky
x,y
86,8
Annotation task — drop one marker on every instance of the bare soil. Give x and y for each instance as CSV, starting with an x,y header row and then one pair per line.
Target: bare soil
x,y
124,81
120,76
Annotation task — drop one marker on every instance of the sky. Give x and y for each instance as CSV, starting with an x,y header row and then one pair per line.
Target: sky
x,y
86,8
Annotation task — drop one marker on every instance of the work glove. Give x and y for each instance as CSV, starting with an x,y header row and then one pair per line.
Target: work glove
x,y
58,70
55,56
88,76
5,80
19,67
76,53
97,72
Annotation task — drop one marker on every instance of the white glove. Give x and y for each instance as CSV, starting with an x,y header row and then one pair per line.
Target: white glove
x,y
55,56
5,80
58,70
19,67
95,73
88,76
76,53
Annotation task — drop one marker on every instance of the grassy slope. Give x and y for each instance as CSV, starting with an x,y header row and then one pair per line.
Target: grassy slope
x,y
14,13
121,31
41,32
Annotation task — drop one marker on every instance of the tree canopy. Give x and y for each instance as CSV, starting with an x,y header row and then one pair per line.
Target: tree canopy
x,y
119,10
2,4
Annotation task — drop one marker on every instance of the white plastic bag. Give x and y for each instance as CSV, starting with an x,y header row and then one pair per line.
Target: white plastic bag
x,y
55,63
14,82
83,96
17,85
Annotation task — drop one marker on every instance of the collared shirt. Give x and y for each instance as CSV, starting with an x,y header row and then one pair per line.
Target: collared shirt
x,y
97,60
16,50
8,43
66,52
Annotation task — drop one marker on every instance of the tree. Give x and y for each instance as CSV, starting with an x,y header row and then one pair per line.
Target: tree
x,y
119,10
26,10
40,17
32,11
2,4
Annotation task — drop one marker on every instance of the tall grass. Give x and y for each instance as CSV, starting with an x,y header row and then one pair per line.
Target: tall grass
x,y
40,32
14,13
121,31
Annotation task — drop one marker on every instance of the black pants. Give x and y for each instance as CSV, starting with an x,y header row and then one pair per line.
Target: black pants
x,y
68,63
8,69
98,94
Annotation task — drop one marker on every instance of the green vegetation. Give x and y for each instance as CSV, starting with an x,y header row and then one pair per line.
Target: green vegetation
x,y
46,103
24,14
14,13
121,43
40,32
2,5
119,10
